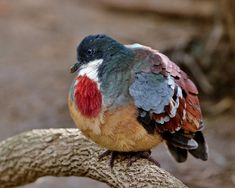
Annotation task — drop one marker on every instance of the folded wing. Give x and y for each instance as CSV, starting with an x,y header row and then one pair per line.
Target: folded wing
x,y
167,102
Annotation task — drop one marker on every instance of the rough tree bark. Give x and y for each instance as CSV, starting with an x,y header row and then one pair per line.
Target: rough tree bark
x,y
66,152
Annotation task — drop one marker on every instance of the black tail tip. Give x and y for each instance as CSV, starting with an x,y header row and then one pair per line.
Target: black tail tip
x,y
180,154
201,152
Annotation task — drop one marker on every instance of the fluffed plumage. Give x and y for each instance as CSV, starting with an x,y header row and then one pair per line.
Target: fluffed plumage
x,y
130,98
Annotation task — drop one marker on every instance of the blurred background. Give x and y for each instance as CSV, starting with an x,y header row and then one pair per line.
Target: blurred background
x,y
37,46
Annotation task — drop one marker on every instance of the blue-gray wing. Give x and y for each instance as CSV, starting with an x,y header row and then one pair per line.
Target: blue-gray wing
x,y
152,92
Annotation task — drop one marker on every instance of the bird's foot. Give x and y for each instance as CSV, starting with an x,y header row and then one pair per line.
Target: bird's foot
x,y
112,158
134,156
104,154
130,156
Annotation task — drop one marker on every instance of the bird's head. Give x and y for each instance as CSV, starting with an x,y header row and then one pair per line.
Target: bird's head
x,y
99,57
102,49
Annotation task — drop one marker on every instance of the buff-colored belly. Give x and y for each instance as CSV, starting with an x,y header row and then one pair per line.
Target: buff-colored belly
x,y
116,130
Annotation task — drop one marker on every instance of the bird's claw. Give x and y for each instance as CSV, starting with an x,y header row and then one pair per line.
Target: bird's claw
x,y
131,156
104,154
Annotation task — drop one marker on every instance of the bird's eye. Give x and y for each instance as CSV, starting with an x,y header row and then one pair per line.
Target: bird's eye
x,y
89,51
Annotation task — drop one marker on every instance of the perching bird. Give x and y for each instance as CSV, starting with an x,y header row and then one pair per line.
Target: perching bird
x,y
130,98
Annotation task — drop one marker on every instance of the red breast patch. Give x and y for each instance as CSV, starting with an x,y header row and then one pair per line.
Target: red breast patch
x,y
87,97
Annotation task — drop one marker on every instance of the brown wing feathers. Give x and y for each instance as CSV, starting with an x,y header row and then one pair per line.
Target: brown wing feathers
x,y
181,121
188,115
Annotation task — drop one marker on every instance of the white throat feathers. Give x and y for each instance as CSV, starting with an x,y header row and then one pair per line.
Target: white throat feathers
x,y
91,69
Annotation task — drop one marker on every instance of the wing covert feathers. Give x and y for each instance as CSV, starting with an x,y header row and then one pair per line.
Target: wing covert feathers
x,y
179,118
182,110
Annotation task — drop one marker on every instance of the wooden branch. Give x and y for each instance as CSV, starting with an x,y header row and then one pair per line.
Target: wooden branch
x,y
66,152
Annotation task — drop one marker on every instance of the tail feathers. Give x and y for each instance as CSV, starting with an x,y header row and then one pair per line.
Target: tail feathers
x,y
179,154
201,151
179,146
178,140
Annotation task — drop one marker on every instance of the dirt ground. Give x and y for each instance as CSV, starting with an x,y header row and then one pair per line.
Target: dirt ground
x,y
37,47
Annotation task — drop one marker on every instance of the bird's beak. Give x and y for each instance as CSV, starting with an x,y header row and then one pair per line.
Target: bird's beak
x,y
75,67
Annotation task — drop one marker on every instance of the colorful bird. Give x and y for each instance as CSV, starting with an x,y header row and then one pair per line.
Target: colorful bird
x,y
130,98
